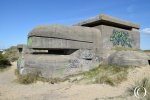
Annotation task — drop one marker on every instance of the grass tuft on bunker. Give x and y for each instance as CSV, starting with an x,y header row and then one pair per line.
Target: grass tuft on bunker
x,y
107,74
103,74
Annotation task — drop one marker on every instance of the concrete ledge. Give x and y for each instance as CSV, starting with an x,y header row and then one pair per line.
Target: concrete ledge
x,y
101,19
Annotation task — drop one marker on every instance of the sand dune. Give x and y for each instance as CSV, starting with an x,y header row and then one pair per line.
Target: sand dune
x,y
10,90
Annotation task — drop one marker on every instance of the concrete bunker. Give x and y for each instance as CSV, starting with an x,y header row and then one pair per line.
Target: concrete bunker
x,y
59,51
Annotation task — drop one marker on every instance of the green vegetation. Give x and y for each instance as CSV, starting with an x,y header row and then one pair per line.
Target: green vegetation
x,y
103,74
12,53
25,79
29,42
9,55
146,50
145,82
4,62
108,74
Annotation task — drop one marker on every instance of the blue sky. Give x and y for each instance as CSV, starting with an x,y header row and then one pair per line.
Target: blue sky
x,y
18,17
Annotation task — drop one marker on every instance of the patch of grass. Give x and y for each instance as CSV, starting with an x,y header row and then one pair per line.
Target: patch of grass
x,y
25,79
103,74
32,78
108,74
145,82
104,79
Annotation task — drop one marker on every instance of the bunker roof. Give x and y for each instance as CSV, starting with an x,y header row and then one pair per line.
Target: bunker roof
x,y
108,20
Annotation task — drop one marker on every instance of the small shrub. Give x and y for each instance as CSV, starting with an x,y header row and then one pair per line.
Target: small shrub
x,y
146,50
12,53
25,79
4,62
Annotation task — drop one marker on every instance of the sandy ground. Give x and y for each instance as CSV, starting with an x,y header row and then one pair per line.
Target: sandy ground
x,y
10,90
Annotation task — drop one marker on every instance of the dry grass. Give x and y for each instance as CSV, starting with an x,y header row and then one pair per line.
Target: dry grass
x,y
12,53
110,74
107,74
32,78
145,82
25,79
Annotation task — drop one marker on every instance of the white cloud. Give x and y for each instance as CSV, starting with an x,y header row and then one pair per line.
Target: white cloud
x,y
146,31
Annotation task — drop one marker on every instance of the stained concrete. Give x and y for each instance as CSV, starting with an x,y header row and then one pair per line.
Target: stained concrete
x,y
134,58
56,51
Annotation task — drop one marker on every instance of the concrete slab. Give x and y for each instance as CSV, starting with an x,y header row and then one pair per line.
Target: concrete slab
x,y
106,19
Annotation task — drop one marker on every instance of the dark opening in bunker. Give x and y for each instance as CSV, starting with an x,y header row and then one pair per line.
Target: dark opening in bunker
x,y
61,51
149,62
55,51
88,58
20,50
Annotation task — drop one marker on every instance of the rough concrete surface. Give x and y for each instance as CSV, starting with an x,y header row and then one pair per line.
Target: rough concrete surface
x,y
135,58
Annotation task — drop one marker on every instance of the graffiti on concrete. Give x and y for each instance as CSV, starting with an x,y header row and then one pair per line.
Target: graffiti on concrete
x,y
29,42
121,38
86,54
97,59
74,63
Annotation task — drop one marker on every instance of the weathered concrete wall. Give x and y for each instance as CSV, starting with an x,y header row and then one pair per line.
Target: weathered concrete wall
x,y
66,37
134,58
55,43
58,66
